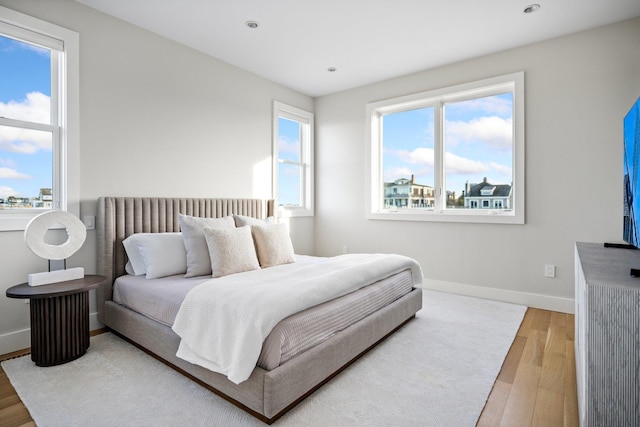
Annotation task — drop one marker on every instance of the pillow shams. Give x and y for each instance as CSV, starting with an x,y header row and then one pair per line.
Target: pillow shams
x,y
273,244
161,254
231,250
242,220
136,263
198,260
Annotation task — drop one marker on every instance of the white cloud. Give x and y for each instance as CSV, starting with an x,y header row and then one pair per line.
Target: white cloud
x,y
8,163
5,192
420,163
490,105
460,165
286,145
494,131
35,108
423,156
7,173
501,169
393,174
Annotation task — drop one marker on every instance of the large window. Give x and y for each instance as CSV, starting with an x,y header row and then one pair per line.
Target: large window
x,y
293,160
454,154
38,119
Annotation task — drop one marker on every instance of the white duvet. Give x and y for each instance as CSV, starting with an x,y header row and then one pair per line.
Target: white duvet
x,y
223,321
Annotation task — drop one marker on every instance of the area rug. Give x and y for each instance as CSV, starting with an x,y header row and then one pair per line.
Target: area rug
x,y
437,370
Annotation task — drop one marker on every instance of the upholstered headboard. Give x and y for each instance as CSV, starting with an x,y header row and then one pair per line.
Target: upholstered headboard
x,y
119,217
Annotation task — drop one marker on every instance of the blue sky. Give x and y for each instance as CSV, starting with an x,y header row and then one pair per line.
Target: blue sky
x,y
478,143
288,149
25,90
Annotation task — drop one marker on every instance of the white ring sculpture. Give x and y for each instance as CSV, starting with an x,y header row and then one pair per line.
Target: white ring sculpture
x,y
37,228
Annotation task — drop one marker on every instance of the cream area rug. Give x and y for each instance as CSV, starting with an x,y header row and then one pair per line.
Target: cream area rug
x,y
437,370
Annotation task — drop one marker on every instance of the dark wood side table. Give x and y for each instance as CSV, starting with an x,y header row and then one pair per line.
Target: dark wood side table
x,y
59,318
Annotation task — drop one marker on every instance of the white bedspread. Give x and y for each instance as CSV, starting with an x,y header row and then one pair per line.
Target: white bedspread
x,y
223,322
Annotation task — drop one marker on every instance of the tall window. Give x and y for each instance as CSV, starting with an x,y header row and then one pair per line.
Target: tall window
x,y
293,160
454,154
38,129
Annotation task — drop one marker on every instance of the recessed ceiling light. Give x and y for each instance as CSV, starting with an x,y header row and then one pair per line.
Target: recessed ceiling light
x,y
531,8
332,69
252,24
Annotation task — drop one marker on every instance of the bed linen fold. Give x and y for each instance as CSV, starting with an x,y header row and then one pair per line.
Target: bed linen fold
x,y
223,322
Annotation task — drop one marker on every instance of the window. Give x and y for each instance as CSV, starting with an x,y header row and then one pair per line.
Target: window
x,y
293,160
457,151
38,119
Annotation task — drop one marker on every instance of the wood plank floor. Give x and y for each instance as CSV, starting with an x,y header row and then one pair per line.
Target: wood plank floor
x,y
536,385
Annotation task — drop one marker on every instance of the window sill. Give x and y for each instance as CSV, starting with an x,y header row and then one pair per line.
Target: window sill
x,y
19,219
16,221
484,217
294,212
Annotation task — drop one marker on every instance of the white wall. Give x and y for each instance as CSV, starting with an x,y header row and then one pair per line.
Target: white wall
x,y
578,89
157,119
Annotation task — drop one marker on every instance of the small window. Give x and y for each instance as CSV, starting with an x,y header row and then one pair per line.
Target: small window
x,y
38,119
293,160
463,146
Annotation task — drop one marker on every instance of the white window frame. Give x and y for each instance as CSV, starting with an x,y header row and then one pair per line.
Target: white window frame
x,y
436,98
306,156
66,145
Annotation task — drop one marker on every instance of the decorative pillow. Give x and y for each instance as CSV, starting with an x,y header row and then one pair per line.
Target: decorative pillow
x,y
231,250
273,244
242,220
198,261
162,254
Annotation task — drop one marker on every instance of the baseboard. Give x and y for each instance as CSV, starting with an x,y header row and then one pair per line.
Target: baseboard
x,y
15,341
546,302
20,340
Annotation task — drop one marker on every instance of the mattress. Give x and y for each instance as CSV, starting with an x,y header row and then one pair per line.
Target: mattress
x,y
160,299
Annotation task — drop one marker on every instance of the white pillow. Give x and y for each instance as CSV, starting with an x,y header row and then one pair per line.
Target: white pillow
x,y
273,244
198,261
136,263
231,250
129,269
242,220
162,254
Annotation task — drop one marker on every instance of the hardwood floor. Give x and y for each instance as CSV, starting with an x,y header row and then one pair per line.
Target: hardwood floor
x,y
536,385
12,412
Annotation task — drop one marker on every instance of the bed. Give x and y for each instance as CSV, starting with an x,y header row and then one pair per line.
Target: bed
x,y
277,383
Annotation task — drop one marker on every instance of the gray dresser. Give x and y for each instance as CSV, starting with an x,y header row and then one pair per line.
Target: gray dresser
x,y
607,340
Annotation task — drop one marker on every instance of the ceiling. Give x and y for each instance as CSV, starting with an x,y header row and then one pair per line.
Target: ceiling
x,y
297,41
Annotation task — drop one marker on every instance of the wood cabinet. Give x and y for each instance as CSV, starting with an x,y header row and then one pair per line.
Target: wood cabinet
x,y
607,340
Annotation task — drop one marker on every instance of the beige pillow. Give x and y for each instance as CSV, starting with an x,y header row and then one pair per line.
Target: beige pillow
x,y
198,262
231,250
273,244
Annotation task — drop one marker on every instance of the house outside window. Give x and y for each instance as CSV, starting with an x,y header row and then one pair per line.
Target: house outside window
x,y
39,162
445,139
293,160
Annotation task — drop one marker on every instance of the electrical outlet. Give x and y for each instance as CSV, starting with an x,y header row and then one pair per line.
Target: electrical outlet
x,y
549,270
345,249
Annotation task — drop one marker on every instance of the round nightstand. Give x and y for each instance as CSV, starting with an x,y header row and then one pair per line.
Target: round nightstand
x,y
59,318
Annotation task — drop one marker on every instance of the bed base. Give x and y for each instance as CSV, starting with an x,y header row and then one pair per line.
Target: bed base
x,y
267,395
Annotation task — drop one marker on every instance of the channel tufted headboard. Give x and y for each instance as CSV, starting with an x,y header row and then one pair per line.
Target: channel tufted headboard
x,y
119,217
